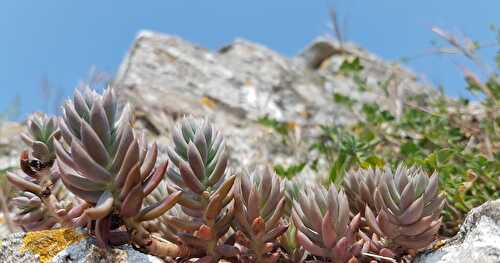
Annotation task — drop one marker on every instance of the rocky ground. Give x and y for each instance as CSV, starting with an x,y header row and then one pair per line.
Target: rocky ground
x,y
165,78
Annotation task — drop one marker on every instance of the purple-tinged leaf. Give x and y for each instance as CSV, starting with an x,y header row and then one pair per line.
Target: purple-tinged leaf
x,y
103,207
327,231
432,189
132,203
77,181
131,158
157,210
132,180
89,196
149,161
155,179
407,197
201,145
100,124
372,221
413,212
23,184
308,245
195,161
102,228
219,169
87,166
190,178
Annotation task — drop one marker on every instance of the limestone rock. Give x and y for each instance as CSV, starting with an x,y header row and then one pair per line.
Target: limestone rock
x,y
166,78
477,241
86,251
65,246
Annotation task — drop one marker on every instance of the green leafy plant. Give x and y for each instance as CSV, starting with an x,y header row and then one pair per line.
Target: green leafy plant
x,y
456,138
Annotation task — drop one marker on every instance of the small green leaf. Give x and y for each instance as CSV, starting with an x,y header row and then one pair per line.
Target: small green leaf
x,y
290,171
353,66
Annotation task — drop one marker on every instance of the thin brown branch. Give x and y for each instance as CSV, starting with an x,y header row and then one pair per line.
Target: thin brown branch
x,y
467,52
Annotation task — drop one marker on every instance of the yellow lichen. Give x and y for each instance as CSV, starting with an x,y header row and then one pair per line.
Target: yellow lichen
x,y
46,244
206,101
292,125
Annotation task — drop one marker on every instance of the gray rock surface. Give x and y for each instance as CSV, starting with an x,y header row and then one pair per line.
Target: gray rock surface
x,y
166,78
86,251
10,250
477,241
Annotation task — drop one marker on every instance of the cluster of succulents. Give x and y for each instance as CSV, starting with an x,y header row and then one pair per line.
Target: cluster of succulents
x,y
42,202
192,206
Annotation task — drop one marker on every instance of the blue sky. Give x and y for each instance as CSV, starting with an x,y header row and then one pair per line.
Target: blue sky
x,y
61,40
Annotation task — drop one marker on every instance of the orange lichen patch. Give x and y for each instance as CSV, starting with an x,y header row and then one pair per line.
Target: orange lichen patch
x,y
206,101
305,114
438,244
292,125
46,244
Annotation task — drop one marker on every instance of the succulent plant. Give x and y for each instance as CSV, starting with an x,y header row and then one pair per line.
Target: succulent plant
x,y
40,203
109,167
104,176
259,208
408,209
39,159
324,226
360,187
32,213
293,252
201,159
40,137
169,224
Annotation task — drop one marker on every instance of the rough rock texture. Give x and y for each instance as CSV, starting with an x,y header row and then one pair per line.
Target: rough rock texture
x,y
477,241
166,78
63,246
11,252
86,251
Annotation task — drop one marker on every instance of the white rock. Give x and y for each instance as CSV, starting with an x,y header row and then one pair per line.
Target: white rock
x,y
478,240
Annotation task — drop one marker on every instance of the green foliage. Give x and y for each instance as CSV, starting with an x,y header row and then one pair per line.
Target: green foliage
x,y
279,127
353,66
432,137
289,172
431,131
